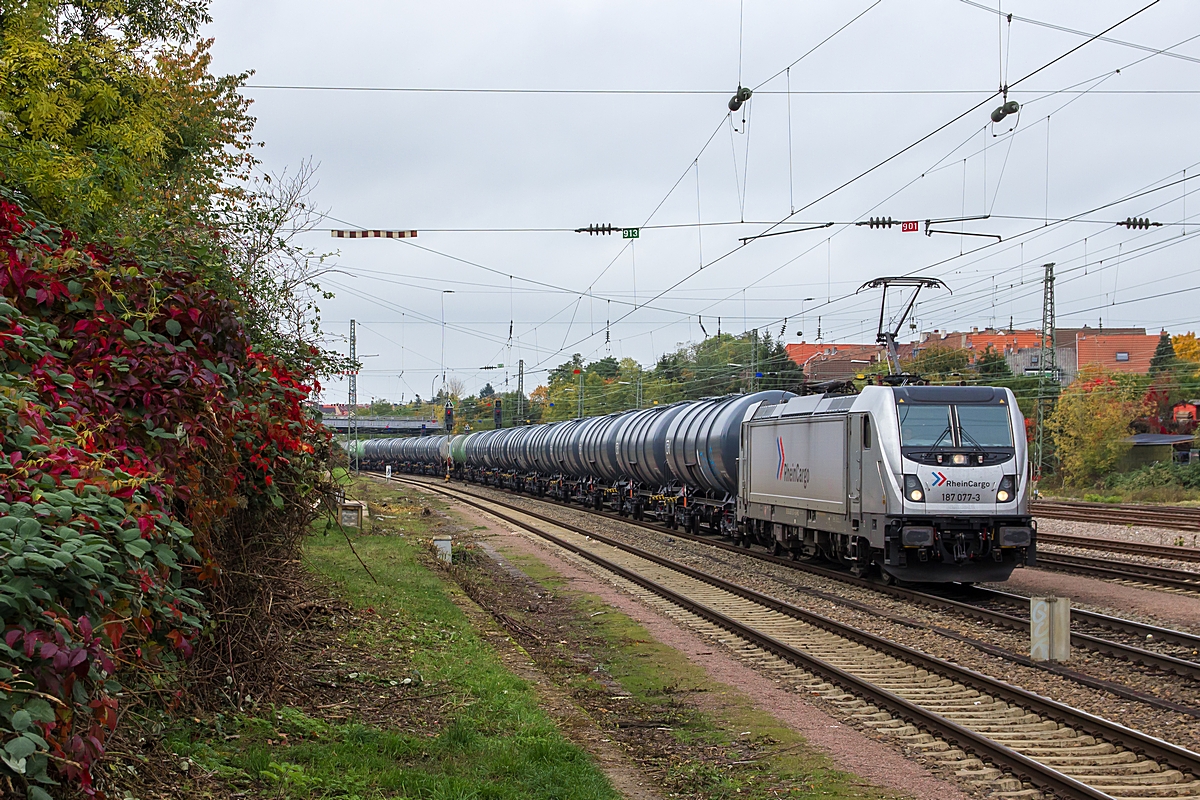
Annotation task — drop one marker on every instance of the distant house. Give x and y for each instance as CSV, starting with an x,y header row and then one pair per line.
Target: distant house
x,y
1111,349
1116,352
977,341
1020,348
823,362
1186,411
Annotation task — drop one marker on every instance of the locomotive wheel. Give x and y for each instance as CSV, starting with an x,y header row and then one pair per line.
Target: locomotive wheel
x,y
777,549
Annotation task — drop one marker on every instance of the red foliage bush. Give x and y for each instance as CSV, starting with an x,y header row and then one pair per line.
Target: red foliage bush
x,y
137,421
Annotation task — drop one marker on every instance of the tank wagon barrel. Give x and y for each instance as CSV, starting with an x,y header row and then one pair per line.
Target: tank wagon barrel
x,y
921,483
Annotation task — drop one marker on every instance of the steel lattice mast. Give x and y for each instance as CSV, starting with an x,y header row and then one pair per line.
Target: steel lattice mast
x,y
1047,369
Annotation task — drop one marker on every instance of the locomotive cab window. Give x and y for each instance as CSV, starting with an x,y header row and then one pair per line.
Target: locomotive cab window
x,y
984,426
925,425
866,432
934,427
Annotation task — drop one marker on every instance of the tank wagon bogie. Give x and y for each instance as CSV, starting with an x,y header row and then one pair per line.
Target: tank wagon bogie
x,y
921,483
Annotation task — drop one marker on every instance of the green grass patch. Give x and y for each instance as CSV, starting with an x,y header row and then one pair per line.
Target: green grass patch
x,y
483,736
720,745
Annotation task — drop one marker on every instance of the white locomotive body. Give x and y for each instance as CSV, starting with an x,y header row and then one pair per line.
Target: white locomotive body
x,y
927,483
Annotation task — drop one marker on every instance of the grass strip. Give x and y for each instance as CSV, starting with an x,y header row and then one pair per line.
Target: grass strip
x,y
409,701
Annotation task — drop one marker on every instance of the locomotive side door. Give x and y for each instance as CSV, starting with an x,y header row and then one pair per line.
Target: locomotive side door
x,y
854,467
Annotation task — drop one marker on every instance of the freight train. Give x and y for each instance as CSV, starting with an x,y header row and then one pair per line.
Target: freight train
x,y
915,483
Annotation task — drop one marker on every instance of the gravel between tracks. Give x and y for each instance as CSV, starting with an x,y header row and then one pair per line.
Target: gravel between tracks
x,y
852,750
1125,533
788,584
1129,533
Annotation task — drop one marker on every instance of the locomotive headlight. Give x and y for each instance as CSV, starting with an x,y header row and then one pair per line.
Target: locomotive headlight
x,y
1007,489
913,490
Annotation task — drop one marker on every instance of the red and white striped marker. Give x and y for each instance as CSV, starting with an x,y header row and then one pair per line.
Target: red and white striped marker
x,y
373,234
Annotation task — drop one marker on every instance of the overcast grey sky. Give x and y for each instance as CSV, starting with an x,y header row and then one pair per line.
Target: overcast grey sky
x,y
900,71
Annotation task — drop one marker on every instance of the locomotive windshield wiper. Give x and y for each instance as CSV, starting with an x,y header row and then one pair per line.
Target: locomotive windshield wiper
x,y
938,443
962,434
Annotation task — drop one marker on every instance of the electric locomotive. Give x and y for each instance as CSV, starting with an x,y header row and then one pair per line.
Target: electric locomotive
x,y
916,483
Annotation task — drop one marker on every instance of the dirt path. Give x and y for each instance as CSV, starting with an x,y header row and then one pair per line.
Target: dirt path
x,y
850,749
574,721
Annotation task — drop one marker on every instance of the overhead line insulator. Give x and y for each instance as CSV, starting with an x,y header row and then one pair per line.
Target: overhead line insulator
x,y
1139,223
596,229
1011,107
878,222
740,96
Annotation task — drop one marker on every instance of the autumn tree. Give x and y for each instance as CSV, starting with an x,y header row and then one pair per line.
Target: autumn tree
x,y
1090,423
1163,361
939,363
991,364
1186,347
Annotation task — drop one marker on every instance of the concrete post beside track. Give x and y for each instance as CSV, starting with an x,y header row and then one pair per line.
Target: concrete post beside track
x,y
1050,628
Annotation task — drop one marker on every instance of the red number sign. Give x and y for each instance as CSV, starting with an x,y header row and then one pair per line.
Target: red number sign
x,y
907,227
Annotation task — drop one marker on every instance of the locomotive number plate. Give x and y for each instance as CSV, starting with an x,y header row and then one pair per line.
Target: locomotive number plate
x,y
960,497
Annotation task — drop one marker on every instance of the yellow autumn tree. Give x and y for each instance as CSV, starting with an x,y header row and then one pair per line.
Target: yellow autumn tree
x,y
1187,348
1089,424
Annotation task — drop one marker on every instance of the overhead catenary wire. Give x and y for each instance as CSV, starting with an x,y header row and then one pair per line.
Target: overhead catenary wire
x,y
903,150
1099,37
791,206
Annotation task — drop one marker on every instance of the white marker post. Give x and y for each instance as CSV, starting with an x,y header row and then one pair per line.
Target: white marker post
x,y
1050,628
442,544
387,472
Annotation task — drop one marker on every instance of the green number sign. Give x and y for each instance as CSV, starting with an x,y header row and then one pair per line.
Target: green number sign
x,y
631,233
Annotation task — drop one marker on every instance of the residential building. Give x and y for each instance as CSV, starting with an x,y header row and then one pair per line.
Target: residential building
x,y
1002,341
827,361
1116,352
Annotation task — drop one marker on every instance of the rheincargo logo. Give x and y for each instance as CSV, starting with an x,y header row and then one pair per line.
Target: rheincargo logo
x,y
938,479
790,473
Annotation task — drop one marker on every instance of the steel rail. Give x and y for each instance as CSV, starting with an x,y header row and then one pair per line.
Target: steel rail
x,y
1182,638
1122,570
1107,647
1174,517
1022,766
1169,551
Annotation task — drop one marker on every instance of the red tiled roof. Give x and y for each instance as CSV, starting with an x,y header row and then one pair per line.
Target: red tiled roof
x,y
1001,341
1102,350
801,352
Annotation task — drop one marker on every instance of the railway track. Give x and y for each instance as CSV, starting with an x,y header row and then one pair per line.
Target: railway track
x,y
1139,631
1174,517
1167,551
1121,570
929,703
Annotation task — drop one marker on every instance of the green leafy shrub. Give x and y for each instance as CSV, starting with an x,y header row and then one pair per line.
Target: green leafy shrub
x,y
1157,476
138,428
